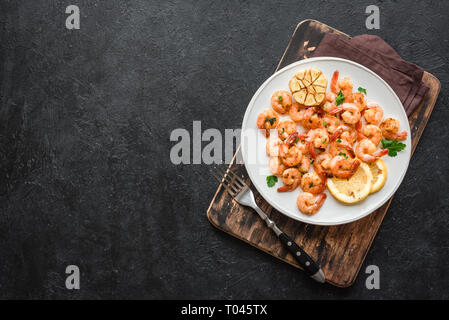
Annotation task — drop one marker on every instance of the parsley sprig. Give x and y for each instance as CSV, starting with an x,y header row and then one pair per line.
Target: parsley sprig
x,y
270,120
361,90
271,181
393,146
343,154
340,98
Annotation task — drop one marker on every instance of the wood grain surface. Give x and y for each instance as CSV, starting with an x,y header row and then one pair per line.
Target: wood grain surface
x,y
340,250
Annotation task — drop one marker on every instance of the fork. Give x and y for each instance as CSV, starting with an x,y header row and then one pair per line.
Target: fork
x,y
240,191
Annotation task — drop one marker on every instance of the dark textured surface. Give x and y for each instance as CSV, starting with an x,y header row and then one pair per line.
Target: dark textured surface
x,y
85,173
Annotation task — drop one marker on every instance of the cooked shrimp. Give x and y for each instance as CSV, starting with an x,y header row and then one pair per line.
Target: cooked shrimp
x,y
359,130
304,165
268,119
331,123
329,102
313,183
358,99
341,147
295,113
372,133
291,178
302,146
345,85
322,163
272,146
373,113
342,167
276,166
390,128
319,138
310,119
351,113
307,203
281,101
333,85
290,154
366,151
345,133
286,128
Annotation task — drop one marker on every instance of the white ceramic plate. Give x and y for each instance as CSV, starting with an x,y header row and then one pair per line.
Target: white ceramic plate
x,y
256,160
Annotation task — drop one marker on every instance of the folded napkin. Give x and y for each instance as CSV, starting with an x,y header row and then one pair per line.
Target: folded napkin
x,y
404,77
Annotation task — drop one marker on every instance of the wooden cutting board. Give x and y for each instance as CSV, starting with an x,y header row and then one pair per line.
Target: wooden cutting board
x,y
340,250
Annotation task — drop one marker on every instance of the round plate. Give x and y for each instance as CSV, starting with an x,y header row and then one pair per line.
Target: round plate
x,y
256,160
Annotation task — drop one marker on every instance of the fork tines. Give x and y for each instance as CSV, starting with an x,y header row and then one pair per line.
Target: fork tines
x,y
230,180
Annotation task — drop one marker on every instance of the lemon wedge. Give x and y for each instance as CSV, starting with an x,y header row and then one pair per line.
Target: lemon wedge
x,y
354,189
379,172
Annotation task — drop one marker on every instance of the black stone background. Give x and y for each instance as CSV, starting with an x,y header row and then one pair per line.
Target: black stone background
x,y
85,173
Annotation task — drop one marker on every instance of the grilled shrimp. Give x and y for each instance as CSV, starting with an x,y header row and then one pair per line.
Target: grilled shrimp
x,y
290,156
307,203
322,163
351,113
291,178
329,103
313,183
345,85
372,133
295,111
373,113
331,123
366,151
304,165
341,147
310,119
358,99
276,166
390,128
302,145
345,133
286,128
268,119
342,167
289,153
281,101
317,138
272,146
334,81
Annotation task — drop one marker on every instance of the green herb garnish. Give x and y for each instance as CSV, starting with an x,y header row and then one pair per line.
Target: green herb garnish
x,y
271,181
339,140
340,98
270,120
283,130
311,185
325,123
393,146
361,90
343,154
280,98
297,139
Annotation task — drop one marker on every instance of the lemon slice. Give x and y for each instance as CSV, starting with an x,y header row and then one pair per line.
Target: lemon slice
x,y
354,189
379,171
308,87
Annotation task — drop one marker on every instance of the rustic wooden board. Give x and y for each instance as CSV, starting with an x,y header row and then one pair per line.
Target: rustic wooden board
x,y
340,250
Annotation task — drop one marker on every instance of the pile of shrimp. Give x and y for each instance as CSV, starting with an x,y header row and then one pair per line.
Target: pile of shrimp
x,y
335,140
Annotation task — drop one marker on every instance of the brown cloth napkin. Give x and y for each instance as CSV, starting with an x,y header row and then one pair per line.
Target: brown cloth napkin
x,y
374,53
